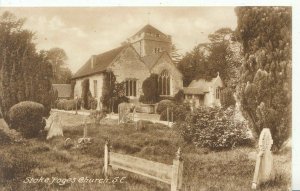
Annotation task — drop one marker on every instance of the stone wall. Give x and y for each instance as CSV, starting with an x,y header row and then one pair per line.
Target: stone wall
x,y
129,65
165,63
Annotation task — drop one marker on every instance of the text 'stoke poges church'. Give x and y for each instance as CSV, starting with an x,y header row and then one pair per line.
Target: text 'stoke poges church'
x,y
146,52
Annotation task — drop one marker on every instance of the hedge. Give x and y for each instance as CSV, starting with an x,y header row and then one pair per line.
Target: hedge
x,y
27,118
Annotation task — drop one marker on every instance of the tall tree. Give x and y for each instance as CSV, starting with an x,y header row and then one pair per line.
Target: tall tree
x,y
61,73
25,73
193,64
175,55
264,87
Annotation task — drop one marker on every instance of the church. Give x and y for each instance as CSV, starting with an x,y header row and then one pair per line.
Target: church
x,y
146,52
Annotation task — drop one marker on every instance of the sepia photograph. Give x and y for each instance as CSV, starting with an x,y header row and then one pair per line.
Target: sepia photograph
x,y
157,98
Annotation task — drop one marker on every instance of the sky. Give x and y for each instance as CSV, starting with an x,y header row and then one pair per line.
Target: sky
x,y
83,32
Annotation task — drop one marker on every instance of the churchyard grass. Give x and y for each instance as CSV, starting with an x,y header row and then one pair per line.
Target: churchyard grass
x,y
205,170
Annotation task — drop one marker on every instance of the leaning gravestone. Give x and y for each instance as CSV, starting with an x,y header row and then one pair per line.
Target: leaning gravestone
x,y
55,128
264,160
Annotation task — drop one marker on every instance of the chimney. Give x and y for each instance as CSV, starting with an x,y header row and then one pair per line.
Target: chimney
x,y
93,61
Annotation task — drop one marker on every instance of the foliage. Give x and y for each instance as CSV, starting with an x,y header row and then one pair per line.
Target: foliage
x,y
213,128
227,97
221,55
86,94
180,111
113,93
109,81
61,74
73,83
179,97
67,104
150,89
193,64
93,103
176,57
163,104
27,118
97,116
25,73
264,88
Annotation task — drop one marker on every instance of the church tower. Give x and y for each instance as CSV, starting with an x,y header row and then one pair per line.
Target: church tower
x,y
149,41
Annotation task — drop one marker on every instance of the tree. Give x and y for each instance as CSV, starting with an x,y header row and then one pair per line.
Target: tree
x,y
61,73
176,57
25,73
150,89
193,64
264,87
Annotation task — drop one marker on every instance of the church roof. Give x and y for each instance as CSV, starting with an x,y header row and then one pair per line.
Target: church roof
x,y
63,90
151,60
149,29
102,61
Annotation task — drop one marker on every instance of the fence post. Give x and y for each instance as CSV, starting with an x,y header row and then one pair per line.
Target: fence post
x,y
106,158
177,169
119,114
168,115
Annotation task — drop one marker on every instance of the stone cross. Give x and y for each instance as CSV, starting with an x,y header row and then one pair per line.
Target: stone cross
x,y
264,161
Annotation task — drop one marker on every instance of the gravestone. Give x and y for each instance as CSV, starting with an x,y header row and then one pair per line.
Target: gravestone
x,y
124,113
264,160
55,128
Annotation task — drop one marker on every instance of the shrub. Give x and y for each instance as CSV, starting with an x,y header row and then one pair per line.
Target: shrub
x,y
119,100
86,93
67,104
97,116
227,98
180,112
93,103
179,97
150,89
213,128
163,104
27,117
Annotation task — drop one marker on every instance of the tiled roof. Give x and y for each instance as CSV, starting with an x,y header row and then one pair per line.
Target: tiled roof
x,y
199,86
64,90
102,61
151,60
195,91
149,29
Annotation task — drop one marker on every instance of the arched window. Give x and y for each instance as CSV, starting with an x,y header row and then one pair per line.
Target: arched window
x,y
164,83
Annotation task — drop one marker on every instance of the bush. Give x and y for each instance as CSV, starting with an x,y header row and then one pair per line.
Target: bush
x,y
97,116
179,97
67,104
180,112
163,104
213,128
27,118
150,90
93,103
119,100
227,98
